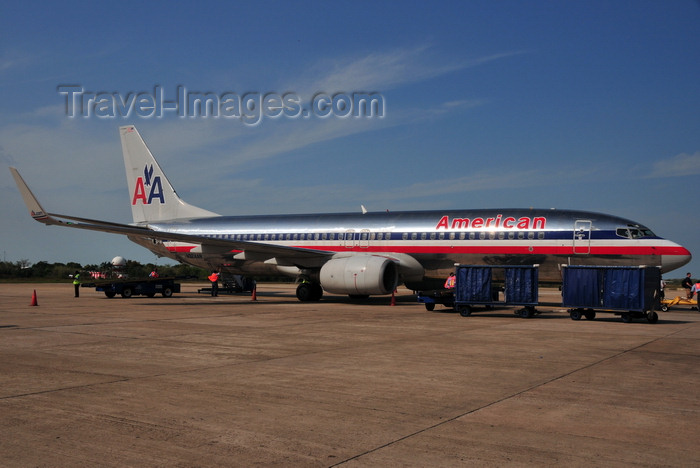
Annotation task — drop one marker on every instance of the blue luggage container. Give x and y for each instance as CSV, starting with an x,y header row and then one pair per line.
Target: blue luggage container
x,y
628,291
474,286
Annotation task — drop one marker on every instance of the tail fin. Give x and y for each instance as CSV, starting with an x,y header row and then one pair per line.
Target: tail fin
x,y
153,198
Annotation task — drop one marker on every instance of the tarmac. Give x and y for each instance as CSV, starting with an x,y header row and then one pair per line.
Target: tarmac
x,y
195,380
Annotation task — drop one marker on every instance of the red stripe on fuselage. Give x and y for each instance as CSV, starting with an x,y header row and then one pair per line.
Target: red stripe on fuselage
x,y
519,250
486,249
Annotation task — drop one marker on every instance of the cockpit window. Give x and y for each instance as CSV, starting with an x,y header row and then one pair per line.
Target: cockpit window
x,y
634,232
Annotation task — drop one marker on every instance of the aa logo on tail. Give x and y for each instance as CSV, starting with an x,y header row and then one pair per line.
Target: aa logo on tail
x,y
155,190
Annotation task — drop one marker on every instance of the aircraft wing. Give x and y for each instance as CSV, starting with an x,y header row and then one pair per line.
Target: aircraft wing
x,y
261,251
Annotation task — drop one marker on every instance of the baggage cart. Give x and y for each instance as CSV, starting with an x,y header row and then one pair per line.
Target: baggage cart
x,y
678,300
445,297
136,287
475,286
628,291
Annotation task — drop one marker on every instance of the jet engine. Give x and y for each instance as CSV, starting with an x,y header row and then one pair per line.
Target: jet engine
x,y
360,275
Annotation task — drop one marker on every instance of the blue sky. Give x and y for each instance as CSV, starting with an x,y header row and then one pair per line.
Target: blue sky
x,y
582,105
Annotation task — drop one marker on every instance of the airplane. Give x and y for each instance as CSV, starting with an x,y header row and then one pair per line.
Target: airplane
x,y
365,253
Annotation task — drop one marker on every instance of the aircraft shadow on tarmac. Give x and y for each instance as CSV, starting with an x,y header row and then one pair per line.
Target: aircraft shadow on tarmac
x,y
273,297
549,314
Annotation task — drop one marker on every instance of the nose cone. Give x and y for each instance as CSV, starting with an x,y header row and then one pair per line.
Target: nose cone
x,y
678,257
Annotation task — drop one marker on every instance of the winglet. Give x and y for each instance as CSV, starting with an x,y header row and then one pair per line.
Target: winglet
x,y
35,208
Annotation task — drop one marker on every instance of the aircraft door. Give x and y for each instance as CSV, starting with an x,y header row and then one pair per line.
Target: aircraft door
x,y
364,238
357,239
349,238
582,237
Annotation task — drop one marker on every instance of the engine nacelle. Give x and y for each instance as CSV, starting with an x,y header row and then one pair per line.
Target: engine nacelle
x,y
360,274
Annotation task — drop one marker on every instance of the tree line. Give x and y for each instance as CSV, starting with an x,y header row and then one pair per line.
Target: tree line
x,y
23,269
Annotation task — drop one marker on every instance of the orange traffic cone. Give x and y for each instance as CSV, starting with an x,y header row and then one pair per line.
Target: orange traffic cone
x,y
254,297
34,301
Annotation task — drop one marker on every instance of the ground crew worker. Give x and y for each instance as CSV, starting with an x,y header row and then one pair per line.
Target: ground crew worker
x,y
214,278
687,285
695,289
154,273
451,281
76,283
662,287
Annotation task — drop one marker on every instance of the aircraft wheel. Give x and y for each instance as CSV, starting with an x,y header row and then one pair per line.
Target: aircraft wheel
x,y
167,292
652,317
430,306
307,292
110,294
589,314
575,314
304,292
318,292
127,293
465,311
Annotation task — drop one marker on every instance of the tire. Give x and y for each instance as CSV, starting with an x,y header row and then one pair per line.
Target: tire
x,y
652,317
430,306
307,292
575,314
589,314
526,312
465,311
664,308
317,292
167,292
627,317
110,294
151,295
127,293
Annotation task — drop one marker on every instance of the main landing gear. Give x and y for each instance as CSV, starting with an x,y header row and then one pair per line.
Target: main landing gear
x,y
307,292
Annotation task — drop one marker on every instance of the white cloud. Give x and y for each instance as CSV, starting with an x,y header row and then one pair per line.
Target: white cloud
x,y
683,164
384,70
11,60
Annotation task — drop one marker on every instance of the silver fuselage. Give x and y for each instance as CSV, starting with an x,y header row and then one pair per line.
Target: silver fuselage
x,y
436,239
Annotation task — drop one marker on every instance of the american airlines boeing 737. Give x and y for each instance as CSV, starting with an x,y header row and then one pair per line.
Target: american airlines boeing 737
x,y
366,253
